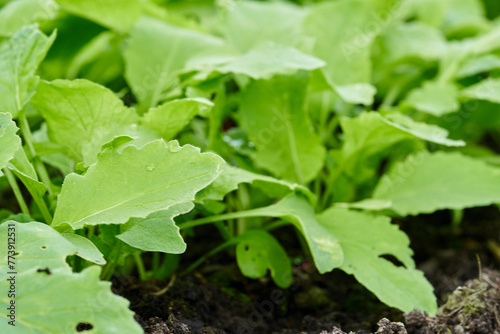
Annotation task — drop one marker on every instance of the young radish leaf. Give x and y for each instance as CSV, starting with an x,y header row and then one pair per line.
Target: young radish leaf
x,y
85,248
488,90
364,238
273,115
171,117
15,14
344,46
134,183
106,12
262,62
19,59
434,98
25,171
39,247
157,232
426,182
58,301
76,111
324,246
258,251
9,140
249,23
151,74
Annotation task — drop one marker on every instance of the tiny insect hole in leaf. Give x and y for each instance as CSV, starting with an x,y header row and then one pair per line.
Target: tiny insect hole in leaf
x,y
247,248
46,270
43,247
83,326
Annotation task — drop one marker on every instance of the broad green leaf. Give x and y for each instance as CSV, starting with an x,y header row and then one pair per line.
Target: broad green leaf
x,y
100,60
17,14
19,59
424,131
23,168
434,98
58,302
9,140
157,232
118,135
478,65
152,74
371,133
364,238
426,182
273,115
39,247
344,46
85,248
262,62
408,42
249,23
488,90
258,251
77,111
324,246
134,183
106,12
230,177
171,117
465,18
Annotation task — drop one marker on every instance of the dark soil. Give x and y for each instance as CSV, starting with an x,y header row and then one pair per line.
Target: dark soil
x,y
218,299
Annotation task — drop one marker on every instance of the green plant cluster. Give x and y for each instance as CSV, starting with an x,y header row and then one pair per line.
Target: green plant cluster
x,y
126,125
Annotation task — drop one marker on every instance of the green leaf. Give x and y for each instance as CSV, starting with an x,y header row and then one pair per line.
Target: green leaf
x,y
170,118
258,251
106,12
19,59
429,132
58,302
152,74
426,182
434,98
364,238
17,14
230,177
370,133
409,42
157,232
134,183
25,171
488,90
324,246
273,115
478,65
39,247
344,46
9,140
249,23
262,62
85,248
78,111
116,135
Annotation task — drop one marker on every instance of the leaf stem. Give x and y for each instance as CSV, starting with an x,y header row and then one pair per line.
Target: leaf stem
x,y
209,254
140,266
109,267
226,216
16,190
40,167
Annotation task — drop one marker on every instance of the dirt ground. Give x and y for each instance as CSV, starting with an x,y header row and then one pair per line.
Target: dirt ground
x,y
216,298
